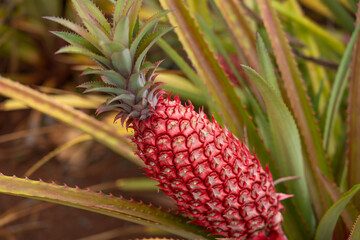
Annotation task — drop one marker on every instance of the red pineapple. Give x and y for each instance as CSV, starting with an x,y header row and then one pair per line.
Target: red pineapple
x,y
208,172
211,174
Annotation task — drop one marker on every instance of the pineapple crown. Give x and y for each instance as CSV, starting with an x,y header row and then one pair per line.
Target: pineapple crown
x,y
120,49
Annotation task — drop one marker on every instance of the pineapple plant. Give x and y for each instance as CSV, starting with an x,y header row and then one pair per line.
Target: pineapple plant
x,y
288,120
206,169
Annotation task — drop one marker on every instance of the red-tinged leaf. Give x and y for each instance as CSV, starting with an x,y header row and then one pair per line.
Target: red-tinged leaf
x,y
235,17
354,118
103,133
350,213
209,70
300,104
103,204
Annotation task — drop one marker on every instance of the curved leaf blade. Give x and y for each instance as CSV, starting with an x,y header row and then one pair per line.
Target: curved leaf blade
x,y
339,87
103,204
328,222
300,105
349,214
287,144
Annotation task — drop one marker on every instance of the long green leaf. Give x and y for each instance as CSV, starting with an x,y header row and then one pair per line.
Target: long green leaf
x,y
350,212
266,67
339,87
287,145
103,133
103,204
328,222
300,105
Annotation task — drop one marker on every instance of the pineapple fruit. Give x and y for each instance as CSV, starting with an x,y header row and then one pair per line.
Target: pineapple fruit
x,y
210,174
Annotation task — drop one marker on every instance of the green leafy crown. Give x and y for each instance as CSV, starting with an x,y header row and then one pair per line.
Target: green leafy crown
x,y
120,49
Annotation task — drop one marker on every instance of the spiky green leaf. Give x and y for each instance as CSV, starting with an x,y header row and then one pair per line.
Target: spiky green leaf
x,y
286,139
118,11
103,204
355,232
145,30
266,68
128,98
110,77
134,11
77,40
147,44
108,90
89,11
328,222
300,105
85,52
75,28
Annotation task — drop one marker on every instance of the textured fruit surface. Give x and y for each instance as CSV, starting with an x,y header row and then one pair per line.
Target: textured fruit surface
x,y
208,172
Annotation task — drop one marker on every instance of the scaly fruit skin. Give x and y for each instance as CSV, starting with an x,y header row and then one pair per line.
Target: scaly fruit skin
x,y
209,173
